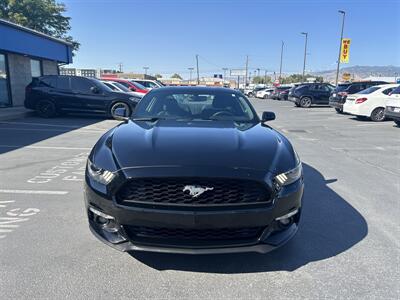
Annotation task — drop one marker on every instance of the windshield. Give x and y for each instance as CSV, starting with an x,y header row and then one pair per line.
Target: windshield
x,y
195,106
138,85
369,90
101,85
121,87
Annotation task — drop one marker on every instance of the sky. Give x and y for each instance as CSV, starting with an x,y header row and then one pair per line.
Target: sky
x,y
165,35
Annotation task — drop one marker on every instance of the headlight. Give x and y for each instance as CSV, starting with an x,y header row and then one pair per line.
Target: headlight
x,y
289,176
100,175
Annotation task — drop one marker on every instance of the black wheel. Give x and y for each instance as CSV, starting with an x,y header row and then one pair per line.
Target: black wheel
x,y
265,96
378,114
296,104
251,95
339,110
305,102
46,108
397,123
120,105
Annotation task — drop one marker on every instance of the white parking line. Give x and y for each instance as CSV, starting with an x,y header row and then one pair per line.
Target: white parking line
x,y
33,192
44,147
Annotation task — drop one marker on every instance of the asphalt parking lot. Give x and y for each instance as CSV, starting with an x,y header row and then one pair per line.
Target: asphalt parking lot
x,y
348,245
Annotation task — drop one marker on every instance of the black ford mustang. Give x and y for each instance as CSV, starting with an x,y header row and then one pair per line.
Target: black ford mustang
x,y
194,170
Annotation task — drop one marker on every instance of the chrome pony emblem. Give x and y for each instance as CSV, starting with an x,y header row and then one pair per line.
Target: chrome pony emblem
x,y
196,190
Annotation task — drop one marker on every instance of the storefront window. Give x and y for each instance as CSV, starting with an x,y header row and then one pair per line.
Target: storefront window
x,y
36,70
4,93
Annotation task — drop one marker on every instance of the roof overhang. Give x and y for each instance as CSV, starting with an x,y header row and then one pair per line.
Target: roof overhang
x,y
25,41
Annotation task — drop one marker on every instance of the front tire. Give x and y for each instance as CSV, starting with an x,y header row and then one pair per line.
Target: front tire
x,y
397,123
119,105
46,109
378,114
305,102
339,110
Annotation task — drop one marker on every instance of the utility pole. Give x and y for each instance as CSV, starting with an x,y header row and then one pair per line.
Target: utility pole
x,y
280,67
120,67
340,45
305,55
190,76
197,66
145,70
265,77
224,69
247,70
258,72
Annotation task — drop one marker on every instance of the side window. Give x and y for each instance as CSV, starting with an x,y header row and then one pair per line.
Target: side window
x,y
49,81
63,83
110,86
325,88
313,87
81,85
387,91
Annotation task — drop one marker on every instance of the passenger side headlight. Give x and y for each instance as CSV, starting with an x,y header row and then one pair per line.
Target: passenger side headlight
x,y
100,175
289,176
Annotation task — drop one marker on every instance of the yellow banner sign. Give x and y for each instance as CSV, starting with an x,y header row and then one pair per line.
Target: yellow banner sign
x,y
345,53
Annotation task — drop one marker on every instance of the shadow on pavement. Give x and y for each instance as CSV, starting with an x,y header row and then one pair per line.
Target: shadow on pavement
x,y
24,132
329,226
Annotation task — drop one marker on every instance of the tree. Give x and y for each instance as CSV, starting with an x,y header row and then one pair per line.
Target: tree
x,y
176,76
45,16
261,79
158,76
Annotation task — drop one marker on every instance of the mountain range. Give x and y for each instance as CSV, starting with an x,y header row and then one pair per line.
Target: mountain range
x,y
360,72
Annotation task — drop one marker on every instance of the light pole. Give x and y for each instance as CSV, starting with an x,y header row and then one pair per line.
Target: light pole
x,y
280,67
305,55
145,70
197,67
190,76
340,45
224,69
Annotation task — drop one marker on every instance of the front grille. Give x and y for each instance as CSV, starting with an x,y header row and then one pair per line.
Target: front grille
x,y
193,237
172,191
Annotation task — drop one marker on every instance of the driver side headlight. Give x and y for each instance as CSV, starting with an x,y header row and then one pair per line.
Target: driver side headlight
x,y
290,176
100,175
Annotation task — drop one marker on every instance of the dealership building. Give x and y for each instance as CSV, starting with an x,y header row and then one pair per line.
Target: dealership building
x,y
25,54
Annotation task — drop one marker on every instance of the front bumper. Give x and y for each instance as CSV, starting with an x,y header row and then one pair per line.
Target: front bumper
x,y
336,104
273,234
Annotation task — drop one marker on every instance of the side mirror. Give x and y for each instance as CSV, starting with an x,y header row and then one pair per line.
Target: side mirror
x,y
95,90
121,114
268,116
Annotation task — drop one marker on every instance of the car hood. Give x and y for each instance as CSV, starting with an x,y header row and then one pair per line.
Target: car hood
x,y
202,143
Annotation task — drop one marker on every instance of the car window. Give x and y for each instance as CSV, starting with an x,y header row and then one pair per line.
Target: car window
x,y
197,106
138,85
110,86
121,86
81,85
341,87
387,91
125,84
48,81
396,90
63,82
325,88
369,90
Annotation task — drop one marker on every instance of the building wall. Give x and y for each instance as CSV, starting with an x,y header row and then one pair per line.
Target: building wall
x,y
20,75
49,67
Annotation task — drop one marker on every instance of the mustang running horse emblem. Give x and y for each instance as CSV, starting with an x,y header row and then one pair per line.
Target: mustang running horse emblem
x,y
196,190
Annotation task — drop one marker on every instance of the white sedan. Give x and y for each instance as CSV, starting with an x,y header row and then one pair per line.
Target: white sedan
x,y
264,93
370,102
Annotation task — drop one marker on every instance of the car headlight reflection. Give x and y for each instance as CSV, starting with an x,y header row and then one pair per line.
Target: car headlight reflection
x,y
289,176
100,175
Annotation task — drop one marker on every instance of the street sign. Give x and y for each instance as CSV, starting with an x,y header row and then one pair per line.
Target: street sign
x,y
345,53
238,72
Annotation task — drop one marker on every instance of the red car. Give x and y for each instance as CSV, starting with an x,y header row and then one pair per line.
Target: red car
x,y
133,86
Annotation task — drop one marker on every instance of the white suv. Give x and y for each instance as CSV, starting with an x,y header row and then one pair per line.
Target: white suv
x,y
370,102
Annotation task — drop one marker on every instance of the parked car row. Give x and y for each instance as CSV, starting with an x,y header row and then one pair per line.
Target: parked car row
x,y
52,95
374,100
